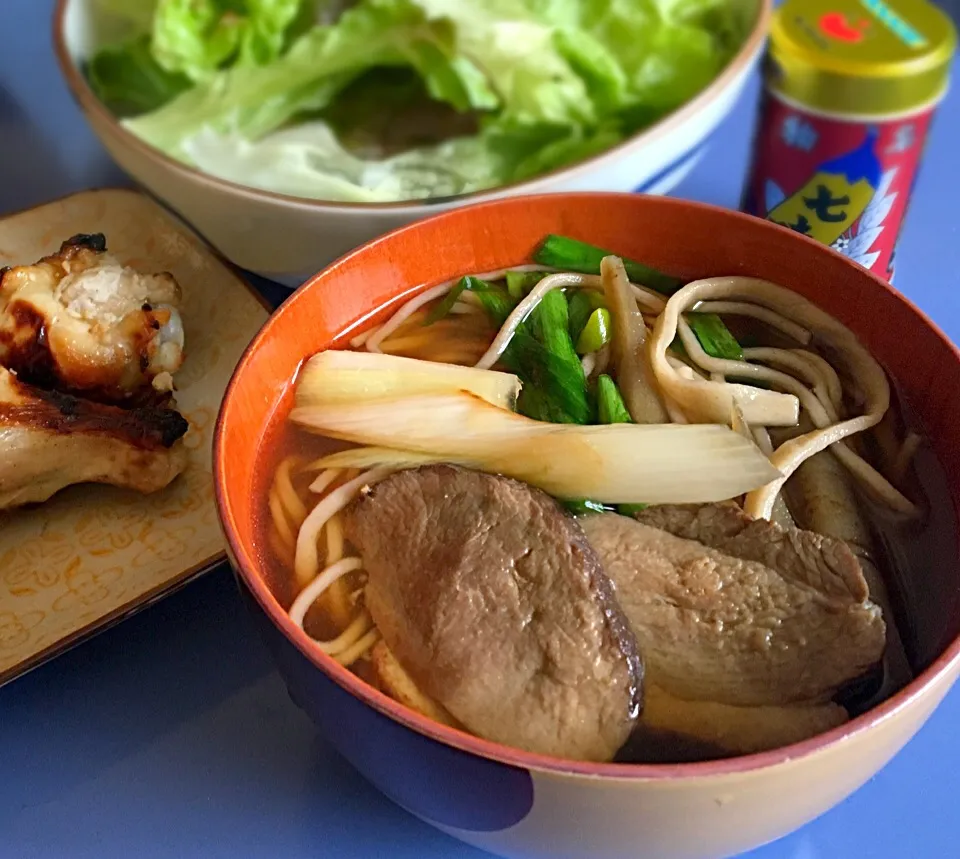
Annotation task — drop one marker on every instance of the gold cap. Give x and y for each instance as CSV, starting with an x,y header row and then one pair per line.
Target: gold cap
x,y
863,57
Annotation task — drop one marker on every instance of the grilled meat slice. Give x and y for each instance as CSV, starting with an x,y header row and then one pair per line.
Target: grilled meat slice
x,y
50,440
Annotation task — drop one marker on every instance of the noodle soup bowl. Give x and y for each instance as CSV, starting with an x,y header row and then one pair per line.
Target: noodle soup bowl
x,y
524,805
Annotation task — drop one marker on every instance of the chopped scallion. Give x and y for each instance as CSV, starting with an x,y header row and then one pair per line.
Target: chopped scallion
x,y
596,333
519,283
714,336
568,254
611,408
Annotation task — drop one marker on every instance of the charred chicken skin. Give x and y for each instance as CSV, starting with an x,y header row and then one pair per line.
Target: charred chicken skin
x,y
50,440
88,349
80,322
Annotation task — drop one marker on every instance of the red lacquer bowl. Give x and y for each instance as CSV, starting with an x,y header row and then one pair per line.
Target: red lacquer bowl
x,y
524,805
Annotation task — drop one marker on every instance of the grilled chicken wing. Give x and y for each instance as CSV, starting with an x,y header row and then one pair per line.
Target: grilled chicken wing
x,y
79,321
50,440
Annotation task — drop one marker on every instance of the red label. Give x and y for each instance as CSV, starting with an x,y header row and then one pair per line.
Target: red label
x,y
836,26
845,183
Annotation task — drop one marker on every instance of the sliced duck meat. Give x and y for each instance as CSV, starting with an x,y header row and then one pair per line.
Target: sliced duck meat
x,y
491,599
739,611
804,557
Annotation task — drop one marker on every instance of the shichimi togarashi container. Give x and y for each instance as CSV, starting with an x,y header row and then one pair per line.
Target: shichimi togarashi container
x,y
851,87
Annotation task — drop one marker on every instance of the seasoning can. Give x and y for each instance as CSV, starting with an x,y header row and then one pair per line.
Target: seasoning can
x,y
850,90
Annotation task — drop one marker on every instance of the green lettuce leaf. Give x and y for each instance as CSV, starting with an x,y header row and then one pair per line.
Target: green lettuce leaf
x,y
283,103
518,54
272,26
195,37
254,100
136,14
129,80
198,37
668,50
168,44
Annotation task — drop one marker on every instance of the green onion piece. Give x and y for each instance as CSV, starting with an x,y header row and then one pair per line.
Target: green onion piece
x,y
550,321
630,509
537,405
494,299
538,368
519,283
580,309
572,255
541,354
715,337
584,507
596,333
611,408
550,324
443,308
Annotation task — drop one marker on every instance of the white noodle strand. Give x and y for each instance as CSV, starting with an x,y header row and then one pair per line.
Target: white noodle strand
x,y
403,314
811,373
462,308
358,628
829,375
603,360
307,560
324,479
762,437
526,306
819,412
762,314
372,339
312,592
353,653
674,412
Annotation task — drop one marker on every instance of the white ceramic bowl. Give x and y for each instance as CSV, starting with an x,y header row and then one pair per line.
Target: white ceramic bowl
x,y
289,238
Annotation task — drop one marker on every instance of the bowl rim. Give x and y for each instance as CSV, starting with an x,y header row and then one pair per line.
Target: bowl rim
x,y
245,565
89,103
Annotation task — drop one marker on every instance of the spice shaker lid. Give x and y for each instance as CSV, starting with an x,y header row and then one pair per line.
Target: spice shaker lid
x,y
860,56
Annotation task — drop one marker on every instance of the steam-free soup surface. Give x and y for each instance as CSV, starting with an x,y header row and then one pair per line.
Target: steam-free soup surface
x,y
701,577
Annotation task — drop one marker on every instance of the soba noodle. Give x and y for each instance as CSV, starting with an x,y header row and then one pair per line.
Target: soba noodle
x,y
694,387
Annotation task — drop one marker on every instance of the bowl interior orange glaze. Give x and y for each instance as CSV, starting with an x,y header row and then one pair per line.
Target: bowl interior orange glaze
x,y
685,239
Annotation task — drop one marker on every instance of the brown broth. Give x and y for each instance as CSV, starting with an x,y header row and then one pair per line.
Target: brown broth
x,y
283,440
918,562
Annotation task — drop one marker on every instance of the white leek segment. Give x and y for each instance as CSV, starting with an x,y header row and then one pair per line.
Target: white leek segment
x,y
621,463
351,377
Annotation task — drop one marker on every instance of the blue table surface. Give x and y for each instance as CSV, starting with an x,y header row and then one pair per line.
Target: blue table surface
x,y
172,736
